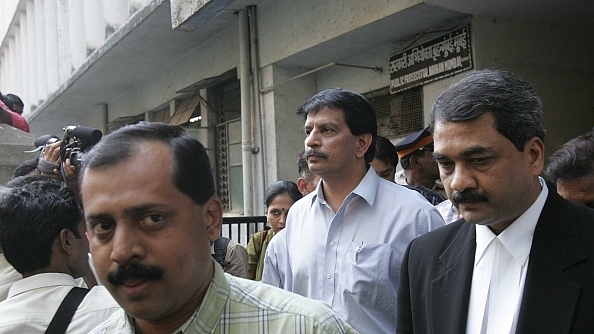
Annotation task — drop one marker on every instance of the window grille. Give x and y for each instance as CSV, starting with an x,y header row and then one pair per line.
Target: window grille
x,y
225,101
397,114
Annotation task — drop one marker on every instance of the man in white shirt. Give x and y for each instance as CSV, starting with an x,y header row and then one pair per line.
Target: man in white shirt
x,y
343,243
43,238
521,260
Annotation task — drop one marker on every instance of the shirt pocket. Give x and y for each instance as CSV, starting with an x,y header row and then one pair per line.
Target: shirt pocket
x,y
366,276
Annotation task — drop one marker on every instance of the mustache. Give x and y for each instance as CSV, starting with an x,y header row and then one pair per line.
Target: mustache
x,y
468,196
134,271
312,153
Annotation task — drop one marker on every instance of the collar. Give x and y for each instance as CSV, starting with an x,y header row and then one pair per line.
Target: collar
x,y
39,281
367,189
517,237
206,316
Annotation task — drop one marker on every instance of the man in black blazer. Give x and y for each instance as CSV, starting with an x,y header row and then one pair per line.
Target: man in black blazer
x,y
522,258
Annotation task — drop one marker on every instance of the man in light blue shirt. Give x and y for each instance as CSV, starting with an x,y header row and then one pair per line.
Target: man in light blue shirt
x,y
343,243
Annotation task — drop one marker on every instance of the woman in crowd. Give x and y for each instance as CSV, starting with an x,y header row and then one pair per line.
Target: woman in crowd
x,y
280,196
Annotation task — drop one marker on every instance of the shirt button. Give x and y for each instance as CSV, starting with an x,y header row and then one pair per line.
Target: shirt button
x,y
328,276
332,243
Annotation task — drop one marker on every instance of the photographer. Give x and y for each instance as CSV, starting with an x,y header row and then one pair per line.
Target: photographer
x,y
50,164
63,158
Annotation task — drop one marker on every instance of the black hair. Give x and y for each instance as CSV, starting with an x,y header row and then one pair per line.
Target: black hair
x,y
192,173
357,110
302,167
32,213
516,107
12,101
282,187
25,167
385,151
572,160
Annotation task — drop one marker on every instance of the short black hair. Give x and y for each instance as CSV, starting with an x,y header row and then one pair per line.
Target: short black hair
x,y
32,213
516,107
357,110
302,167
12,101
385,151
572,160
192,173
25,167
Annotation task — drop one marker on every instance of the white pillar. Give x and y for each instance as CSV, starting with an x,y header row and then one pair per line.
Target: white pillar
x,y
20,56
64,45
78,46
116,12
94,25
31,52
51,46
40,54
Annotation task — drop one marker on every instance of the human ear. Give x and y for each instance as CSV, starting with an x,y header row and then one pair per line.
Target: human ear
x,y
363,144
212,214
66,240
535,153
302,186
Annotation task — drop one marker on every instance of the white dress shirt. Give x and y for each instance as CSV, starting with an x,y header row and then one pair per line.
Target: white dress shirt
x,y
351,260
8,275
33,301
500,266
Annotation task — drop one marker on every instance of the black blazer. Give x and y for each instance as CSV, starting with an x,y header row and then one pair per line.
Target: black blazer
x,y
436,276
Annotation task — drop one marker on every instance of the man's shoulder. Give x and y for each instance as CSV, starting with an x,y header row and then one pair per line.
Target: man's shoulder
x,y
559,209
116,323
408,195
444,235
250,296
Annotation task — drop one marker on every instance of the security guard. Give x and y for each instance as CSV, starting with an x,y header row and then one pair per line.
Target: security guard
x,y
416,158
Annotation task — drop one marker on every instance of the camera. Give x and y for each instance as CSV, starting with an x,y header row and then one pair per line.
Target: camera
x,y
76,141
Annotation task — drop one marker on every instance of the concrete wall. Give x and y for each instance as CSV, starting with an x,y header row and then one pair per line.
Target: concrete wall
x,y
13,144
283,33
545,56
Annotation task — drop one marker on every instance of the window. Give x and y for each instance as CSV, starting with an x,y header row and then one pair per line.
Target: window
x,y
397,114
225,101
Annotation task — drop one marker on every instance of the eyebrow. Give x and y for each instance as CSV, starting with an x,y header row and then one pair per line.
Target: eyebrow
x,y
130,212
466,153
321,125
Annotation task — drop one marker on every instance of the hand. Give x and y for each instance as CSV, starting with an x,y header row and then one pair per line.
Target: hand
x,y
49,160
51,152
71,175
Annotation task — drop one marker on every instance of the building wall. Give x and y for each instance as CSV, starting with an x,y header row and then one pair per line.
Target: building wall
x,y
545,56
557,60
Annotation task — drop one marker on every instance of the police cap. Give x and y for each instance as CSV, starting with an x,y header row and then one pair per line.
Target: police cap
x,y
413,142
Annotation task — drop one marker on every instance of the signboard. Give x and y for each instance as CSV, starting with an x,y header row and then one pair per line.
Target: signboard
x,y
440,57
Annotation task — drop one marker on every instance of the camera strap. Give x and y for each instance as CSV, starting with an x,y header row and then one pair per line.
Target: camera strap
x,y
66,311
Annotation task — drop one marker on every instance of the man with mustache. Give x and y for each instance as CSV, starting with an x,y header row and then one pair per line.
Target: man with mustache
x,y
343,243
521,260
151,210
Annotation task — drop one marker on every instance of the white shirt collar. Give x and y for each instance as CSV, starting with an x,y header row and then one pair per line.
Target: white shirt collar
x,y
517,237
367,188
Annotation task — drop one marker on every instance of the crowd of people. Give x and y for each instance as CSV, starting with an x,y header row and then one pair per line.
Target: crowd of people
x,y
478,232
